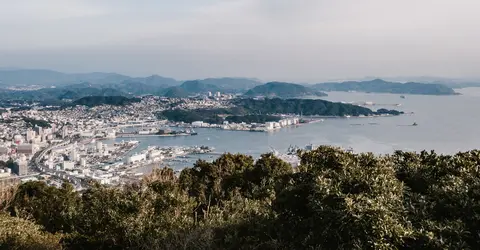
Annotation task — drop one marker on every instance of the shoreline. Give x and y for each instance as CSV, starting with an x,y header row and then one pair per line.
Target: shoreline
x,y
144,135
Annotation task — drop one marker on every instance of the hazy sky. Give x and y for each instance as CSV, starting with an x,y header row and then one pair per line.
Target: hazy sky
x,y
294,40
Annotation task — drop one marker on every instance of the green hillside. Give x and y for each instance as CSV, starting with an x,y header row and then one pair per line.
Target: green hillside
x,y
282,90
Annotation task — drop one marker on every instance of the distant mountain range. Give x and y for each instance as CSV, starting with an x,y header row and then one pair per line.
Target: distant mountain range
x,y
382,86
124,85
53,86
54,96
449,82
282,90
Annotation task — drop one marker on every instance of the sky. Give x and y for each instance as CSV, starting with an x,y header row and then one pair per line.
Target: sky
x,y
288,40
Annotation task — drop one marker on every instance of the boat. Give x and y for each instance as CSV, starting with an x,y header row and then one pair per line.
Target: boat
x,y
292,150
402,96
414,124
192,132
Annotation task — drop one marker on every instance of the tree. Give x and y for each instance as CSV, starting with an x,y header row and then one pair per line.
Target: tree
x,y
53,208
16,233
268,176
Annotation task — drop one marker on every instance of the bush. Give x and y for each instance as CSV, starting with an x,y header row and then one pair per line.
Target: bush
x,y
16,233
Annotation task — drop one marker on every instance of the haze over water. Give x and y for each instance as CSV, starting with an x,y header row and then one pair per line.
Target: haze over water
x,y
446,124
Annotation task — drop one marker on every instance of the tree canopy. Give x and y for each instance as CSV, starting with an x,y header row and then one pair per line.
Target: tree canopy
x,y
333,200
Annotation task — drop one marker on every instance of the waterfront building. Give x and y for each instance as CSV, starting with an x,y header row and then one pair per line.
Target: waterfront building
x,y
197,124
270,125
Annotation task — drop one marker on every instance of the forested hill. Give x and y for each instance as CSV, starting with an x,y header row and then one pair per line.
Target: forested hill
x,y
309,107
334,200
282,90
381,86
260,111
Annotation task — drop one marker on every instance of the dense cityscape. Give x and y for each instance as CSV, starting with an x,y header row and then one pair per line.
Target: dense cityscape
x,y
66,144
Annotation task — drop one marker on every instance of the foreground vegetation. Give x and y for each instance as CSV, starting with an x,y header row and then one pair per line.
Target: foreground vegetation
x,y
335,200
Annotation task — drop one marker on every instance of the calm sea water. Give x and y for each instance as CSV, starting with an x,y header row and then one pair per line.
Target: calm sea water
x,y
446,124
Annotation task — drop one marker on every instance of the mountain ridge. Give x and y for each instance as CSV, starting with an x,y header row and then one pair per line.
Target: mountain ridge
x,y
282,90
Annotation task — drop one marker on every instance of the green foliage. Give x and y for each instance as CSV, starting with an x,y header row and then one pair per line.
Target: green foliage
x,y
54,208
304,106
56,96
334,200
34,123
261,111
16,233
210,183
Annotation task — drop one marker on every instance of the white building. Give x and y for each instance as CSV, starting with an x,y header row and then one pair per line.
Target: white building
x,y
270,125
87,134
83,162
68,165
154,154
74,155
197,124
135,158
99,146
30,135
110,134
18,139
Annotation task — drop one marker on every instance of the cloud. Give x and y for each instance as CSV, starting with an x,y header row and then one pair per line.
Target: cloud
x,y
283,39
32,10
